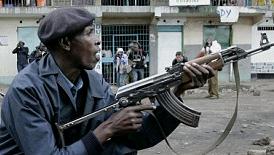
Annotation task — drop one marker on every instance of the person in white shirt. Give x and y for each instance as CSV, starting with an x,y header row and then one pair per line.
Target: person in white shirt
x,y
122,67
211,46
98,66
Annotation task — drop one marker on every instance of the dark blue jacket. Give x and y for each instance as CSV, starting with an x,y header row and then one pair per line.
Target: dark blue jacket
x,y
22,55
38,98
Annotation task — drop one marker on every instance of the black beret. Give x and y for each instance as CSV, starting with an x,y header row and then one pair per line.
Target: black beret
x,y
63,22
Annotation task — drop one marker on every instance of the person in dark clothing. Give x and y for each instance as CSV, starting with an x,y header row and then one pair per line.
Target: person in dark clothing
x,y
179,58
137,56
22,55
37,54
63,86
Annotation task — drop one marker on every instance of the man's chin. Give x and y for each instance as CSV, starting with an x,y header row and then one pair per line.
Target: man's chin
x,y
88,67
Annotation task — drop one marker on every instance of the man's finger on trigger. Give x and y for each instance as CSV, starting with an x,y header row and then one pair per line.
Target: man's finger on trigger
x,y
201,68
211,70
208,68
188,71
194,70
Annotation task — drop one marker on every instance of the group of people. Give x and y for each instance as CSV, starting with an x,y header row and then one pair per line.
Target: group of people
x,y
23,57
131,64
63,86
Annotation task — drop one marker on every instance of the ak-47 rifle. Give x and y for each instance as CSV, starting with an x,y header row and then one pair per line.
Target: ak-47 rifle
x,y
158,86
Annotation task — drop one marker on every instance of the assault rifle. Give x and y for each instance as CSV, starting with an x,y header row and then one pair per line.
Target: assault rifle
x,y
159,86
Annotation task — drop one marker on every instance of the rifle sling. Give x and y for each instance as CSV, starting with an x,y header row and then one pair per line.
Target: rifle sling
x,y
234,116
163,133
191,117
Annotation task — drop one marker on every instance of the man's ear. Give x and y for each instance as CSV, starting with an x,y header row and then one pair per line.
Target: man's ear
x,y
65,43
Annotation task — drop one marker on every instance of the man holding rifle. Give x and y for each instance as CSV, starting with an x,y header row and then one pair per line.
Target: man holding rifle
x,y
62,87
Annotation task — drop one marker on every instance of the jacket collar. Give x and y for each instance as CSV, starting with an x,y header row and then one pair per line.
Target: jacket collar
x,y
48,66
96,84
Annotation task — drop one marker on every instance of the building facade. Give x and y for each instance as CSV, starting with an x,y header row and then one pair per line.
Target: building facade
x,y
161,29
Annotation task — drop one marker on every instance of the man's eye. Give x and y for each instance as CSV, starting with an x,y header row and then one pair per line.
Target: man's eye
x,y
90,31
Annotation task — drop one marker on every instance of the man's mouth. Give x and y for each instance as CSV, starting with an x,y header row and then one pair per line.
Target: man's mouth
x,y
97,43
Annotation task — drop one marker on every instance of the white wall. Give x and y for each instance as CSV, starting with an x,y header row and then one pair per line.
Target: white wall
x,y
242,31
266,56
8,27
167,48
193,31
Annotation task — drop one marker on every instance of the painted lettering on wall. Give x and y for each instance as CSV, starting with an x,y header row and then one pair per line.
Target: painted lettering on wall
x,y
224,12
228,13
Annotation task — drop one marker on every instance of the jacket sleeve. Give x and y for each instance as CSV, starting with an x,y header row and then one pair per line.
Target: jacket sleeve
x,y
14,51
26,120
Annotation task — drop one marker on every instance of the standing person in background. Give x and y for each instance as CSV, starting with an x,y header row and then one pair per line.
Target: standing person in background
x,y
137,57
116,57
122,66
38,53
35,55
211,46
179,58
98,66
22,55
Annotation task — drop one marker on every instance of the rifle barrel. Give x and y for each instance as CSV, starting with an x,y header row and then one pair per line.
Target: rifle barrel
x,y
88,116
258,50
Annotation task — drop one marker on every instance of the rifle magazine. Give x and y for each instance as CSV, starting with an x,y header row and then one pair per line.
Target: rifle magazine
x,y
177,109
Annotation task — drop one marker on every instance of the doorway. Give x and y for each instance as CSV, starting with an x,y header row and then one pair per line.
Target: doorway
x,y
221,33
29,36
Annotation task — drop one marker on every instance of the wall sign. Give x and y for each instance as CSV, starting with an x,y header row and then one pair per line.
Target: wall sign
x,y
3,40
228,13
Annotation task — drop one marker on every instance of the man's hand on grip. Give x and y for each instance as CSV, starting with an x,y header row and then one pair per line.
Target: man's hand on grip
x,y
122,122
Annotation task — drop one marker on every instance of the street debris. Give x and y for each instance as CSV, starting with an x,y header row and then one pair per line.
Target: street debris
x,y
262,142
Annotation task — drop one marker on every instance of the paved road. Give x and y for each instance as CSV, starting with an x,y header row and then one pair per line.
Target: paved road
x,y
255,121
